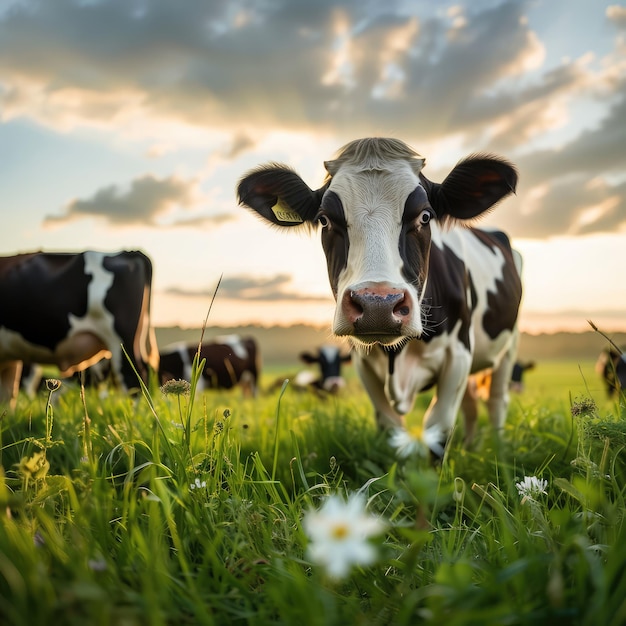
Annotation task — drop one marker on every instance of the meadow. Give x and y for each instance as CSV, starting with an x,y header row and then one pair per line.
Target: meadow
x,y
188,508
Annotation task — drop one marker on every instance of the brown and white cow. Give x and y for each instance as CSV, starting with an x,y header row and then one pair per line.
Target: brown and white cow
x,y
230,360
73,309
424,298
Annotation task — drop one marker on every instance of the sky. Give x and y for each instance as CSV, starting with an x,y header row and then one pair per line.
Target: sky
x,y
127,124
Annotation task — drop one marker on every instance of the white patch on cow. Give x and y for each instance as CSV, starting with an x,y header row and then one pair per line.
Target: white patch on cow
x,y
330,353
97,319
304,378
235,344
373,204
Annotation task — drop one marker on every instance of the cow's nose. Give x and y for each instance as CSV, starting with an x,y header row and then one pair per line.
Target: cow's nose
x,y
376,309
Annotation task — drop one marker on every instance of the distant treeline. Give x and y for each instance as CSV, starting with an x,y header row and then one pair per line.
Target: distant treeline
x,y
281,345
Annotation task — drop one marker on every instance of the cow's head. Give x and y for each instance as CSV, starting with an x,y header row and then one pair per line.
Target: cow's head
x,y
378,213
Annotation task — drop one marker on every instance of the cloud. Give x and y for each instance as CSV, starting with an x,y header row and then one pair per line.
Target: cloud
x,y
266,65
617,14
147,201
475,74
274,288
580,185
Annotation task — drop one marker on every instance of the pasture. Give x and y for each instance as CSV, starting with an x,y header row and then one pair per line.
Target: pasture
x,y
187,508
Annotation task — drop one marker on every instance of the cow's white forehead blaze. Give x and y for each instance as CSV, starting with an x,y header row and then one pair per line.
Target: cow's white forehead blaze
x,y
373,202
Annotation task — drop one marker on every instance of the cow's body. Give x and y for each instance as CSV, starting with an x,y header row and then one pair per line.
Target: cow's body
x,y
329,360
423,302
230,360
73,309
611,365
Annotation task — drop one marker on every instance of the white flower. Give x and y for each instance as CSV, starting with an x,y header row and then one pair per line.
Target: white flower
x,y
197,484
531,488
339,532
417,441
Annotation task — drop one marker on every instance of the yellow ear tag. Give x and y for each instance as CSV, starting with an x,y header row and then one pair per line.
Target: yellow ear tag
x,y
285,214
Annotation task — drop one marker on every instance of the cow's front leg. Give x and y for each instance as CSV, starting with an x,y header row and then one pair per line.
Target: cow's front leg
x,y
451,387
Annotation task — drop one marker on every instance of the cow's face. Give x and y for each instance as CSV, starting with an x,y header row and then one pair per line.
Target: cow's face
x,y
376,236
377,213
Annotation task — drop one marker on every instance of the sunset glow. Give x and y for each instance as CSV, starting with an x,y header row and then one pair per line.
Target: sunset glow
x,y
127,125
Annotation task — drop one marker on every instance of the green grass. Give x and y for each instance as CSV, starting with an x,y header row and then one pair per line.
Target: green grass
x,y
188,510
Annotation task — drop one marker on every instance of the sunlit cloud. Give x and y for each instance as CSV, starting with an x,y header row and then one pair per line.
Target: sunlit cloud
x,y
146,201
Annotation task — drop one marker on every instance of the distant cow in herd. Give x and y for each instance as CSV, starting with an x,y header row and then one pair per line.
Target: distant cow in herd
x,y
611,365
73,309
230,360
424,298
329,360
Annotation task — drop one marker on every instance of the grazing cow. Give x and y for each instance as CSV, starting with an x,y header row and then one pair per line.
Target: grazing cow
x,y
329,359
73,309
230,360
611,365
423,301
517,375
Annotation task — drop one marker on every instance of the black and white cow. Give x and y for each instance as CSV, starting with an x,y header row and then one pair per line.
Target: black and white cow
x,y
230,360
329,360
424,301
73,309
611,365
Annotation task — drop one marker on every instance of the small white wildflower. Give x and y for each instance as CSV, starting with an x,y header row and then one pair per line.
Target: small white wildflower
x,y
177,425
417,441
339,532
531,488
197,484
97,565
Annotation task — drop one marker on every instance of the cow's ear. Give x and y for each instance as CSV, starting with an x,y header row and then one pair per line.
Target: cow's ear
x,y
474,186
279,195
307,357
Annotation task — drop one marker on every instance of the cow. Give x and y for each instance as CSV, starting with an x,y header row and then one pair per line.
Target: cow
x,y
329,359
517,375
424,298
230,360
611,365
72,309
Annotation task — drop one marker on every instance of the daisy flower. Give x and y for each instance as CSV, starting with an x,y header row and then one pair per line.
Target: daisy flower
x,y
417,441
531,488
197,484
338,534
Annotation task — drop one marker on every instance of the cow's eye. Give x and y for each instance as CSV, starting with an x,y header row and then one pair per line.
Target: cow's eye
x,y
323,220
424,217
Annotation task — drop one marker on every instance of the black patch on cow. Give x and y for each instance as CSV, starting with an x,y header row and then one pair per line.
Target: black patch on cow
x,y
335,239
392,353
39,291
446,297
132,272
171,365
414,244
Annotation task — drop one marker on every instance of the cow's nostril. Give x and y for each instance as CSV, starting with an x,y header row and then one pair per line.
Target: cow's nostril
x,y
354,302
403,310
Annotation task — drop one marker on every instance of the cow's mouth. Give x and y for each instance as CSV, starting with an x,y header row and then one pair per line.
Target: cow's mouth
x,y
371,339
